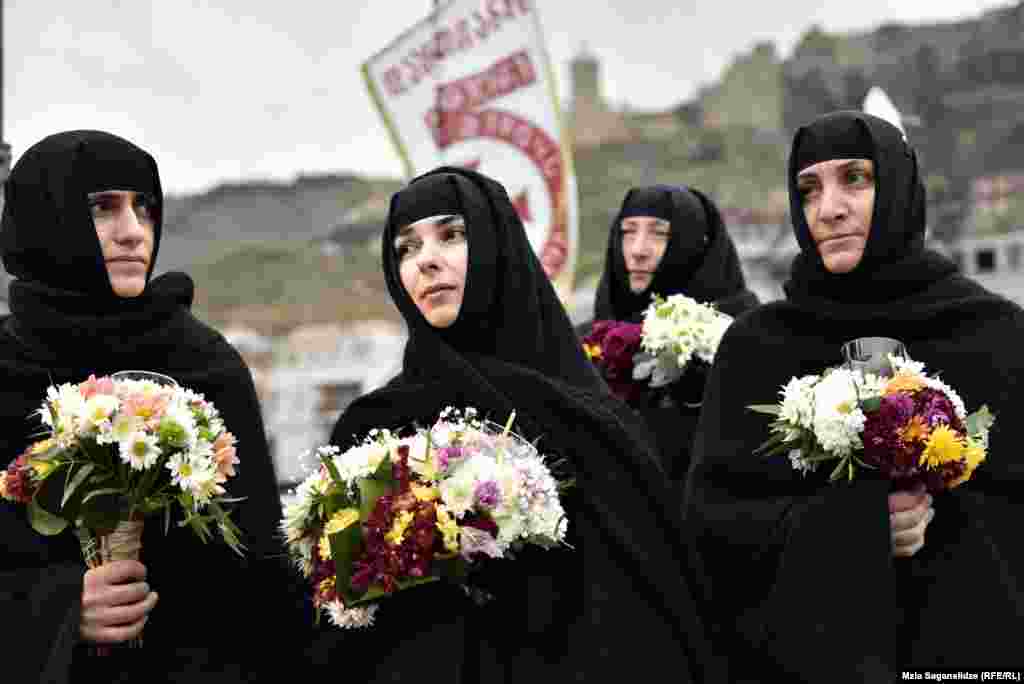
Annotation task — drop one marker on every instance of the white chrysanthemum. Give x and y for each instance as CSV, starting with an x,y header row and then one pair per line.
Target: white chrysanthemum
x,y
204,484
801,464
458,490
870,385
190,473
97,412
418,448
361,460
139,450
904,364
954,398
798,401
178,413
121,429
350,618
674,331
69,406
838,419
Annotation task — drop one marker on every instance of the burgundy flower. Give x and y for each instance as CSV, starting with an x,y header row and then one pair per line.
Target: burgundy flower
x,y
935,407
884,446
621,344
20,485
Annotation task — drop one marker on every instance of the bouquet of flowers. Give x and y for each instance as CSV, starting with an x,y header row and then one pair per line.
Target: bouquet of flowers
x,y
394,512
910,427
675,331
117,451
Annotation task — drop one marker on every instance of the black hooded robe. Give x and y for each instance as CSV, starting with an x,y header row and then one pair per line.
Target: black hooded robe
x,y
701,262
820,596
66,324
618,602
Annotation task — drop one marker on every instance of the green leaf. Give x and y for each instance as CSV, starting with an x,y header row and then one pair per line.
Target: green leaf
x,y
102,492
768,409
371,489
837,472
980,421
43,521
76,482
345,547
376,592
332,469
871,404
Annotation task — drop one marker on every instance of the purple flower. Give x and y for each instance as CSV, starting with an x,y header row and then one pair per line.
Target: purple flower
x,y
447,455
883,446
487,494
935,407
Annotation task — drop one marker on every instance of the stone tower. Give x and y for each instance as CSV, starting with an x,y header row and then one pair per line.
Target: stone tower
x,y
593,122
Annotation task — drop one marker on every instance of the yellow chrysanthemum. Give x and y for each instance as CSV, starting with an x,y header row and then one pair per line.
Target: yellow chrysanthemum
x,y
449,528
944,446
324,589
338,522
904,382
974,454
41,466
401,524
40,446
425,493
593,351
916,430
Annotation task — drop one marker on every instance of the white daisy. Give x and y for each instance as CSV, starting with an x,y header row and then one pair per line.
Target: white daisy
x,y
139,450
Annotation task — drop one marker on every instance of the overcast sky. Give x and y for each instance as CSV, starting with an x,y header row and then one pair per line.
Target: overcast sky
x,y
241,89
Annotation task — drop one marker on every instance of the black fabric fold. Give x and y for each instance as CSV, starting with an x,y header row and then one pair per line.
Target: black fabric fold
x,y
63,327
624,587
821,597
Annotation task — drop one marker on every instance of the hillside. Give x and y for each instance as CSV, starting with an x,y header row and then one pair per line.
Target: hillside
x,y
258,257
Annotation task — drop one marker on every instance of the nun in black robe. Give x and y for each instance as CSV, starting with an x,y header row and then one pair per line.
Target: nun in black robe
x,y
615,604
700,261
65,324
821,596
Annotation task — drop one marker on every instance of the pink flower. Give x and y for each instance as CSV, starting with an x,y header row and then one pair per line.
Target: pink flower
x,y
225,456
93,386
149,407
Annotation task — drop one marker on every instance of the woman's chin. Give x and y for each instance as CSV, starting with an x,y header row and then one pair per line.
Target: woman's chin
x,y
128,287
842,262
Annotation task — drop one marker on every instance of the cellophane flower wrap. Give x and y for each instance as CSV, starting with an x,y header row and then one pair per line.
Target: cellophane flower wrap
x,y
392,513
910,427
677,330
114,452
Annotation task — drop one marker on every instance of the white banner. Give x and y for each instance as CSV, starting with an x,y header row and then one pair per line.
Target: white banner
x,y
472,86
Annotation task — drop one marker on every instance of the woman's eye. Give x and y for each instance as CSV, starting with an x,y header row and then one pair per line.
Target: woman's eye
x,y
453,234
858,177
100,205
404,249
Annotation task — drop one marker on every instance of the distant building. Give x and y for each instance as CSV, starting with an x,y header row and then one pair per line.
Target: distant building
x,y
318,371
591,121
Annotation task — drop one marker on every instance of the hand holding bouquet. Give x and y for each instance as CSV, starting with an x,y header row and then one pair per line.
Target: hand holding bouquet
x,y
393,513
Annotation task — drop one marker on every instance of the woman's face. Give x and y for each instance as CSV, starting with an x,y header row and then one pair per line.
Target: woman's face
x,y
644,239
125,227
433,256
838,198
